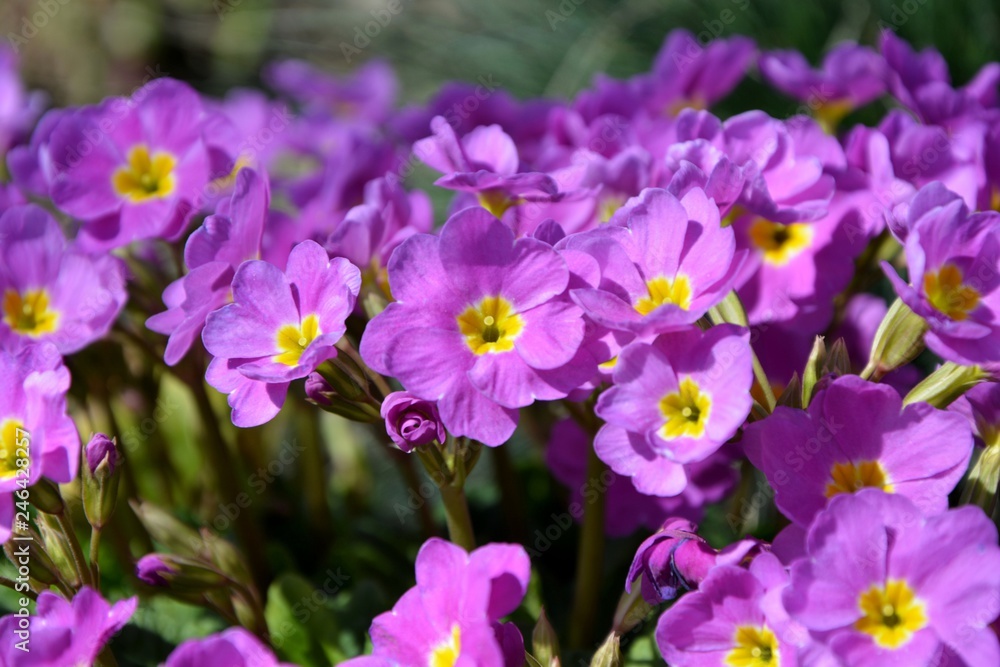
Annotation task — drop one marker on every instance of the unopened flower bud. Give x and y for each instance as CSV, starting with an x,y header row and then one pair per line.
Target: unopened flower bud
x,y
946,384
544,641
325,389
813,370
183,575
100,479
675,559
45,495
101,448
167,530
609,654
411,422
151,570
318,390
899,339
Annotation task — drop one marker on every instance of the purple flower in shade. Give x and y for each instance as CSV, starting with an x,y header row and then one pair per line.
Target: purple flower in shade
x,y
99,448
51,291
485,163
280,327
245,129
664,262
883,585
736,618
370,232
411,421
610,98
212,254
480,324
616,180
674,401
872,177
132,169
31,165
33,407
921,82
675,559
922,154
10,196
63,632
626,509
686,74
234,647
856,434
18,108
366,96
777,169
851,76
451,617
954,271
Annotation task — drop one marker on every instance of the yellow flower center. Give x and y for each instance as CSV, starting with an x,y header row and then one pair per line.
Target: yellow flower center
x,y
686,411
145,176
491,325
945,291
223,183
662,290
608,207
677,106
780,243
829,114
11,430
496,202
755,647
446,653
609,365
293,339
850,477
29,313
892,613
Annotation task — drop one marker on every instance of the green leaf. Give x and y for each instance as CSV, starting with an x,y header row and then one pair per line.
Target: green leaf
x,y
300,622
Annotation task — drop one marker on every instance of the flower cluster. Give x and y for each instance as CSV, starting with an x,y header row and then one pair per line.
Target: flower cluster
x,y
683,307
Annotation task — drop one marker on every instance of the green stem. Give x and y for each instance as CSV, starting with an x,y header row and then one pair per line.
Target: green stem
x,y
224,467
449,474
314,478
95,550
456,512
765,384
590,559
76,552
12,585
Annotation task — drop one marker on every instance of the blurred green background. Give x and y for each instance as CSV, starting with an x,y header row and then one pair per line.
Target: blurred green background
x,y
81,50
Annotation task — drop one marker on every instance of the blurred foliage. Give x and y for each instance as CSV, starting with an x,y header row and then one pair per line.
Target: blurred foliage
x,y
90,48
